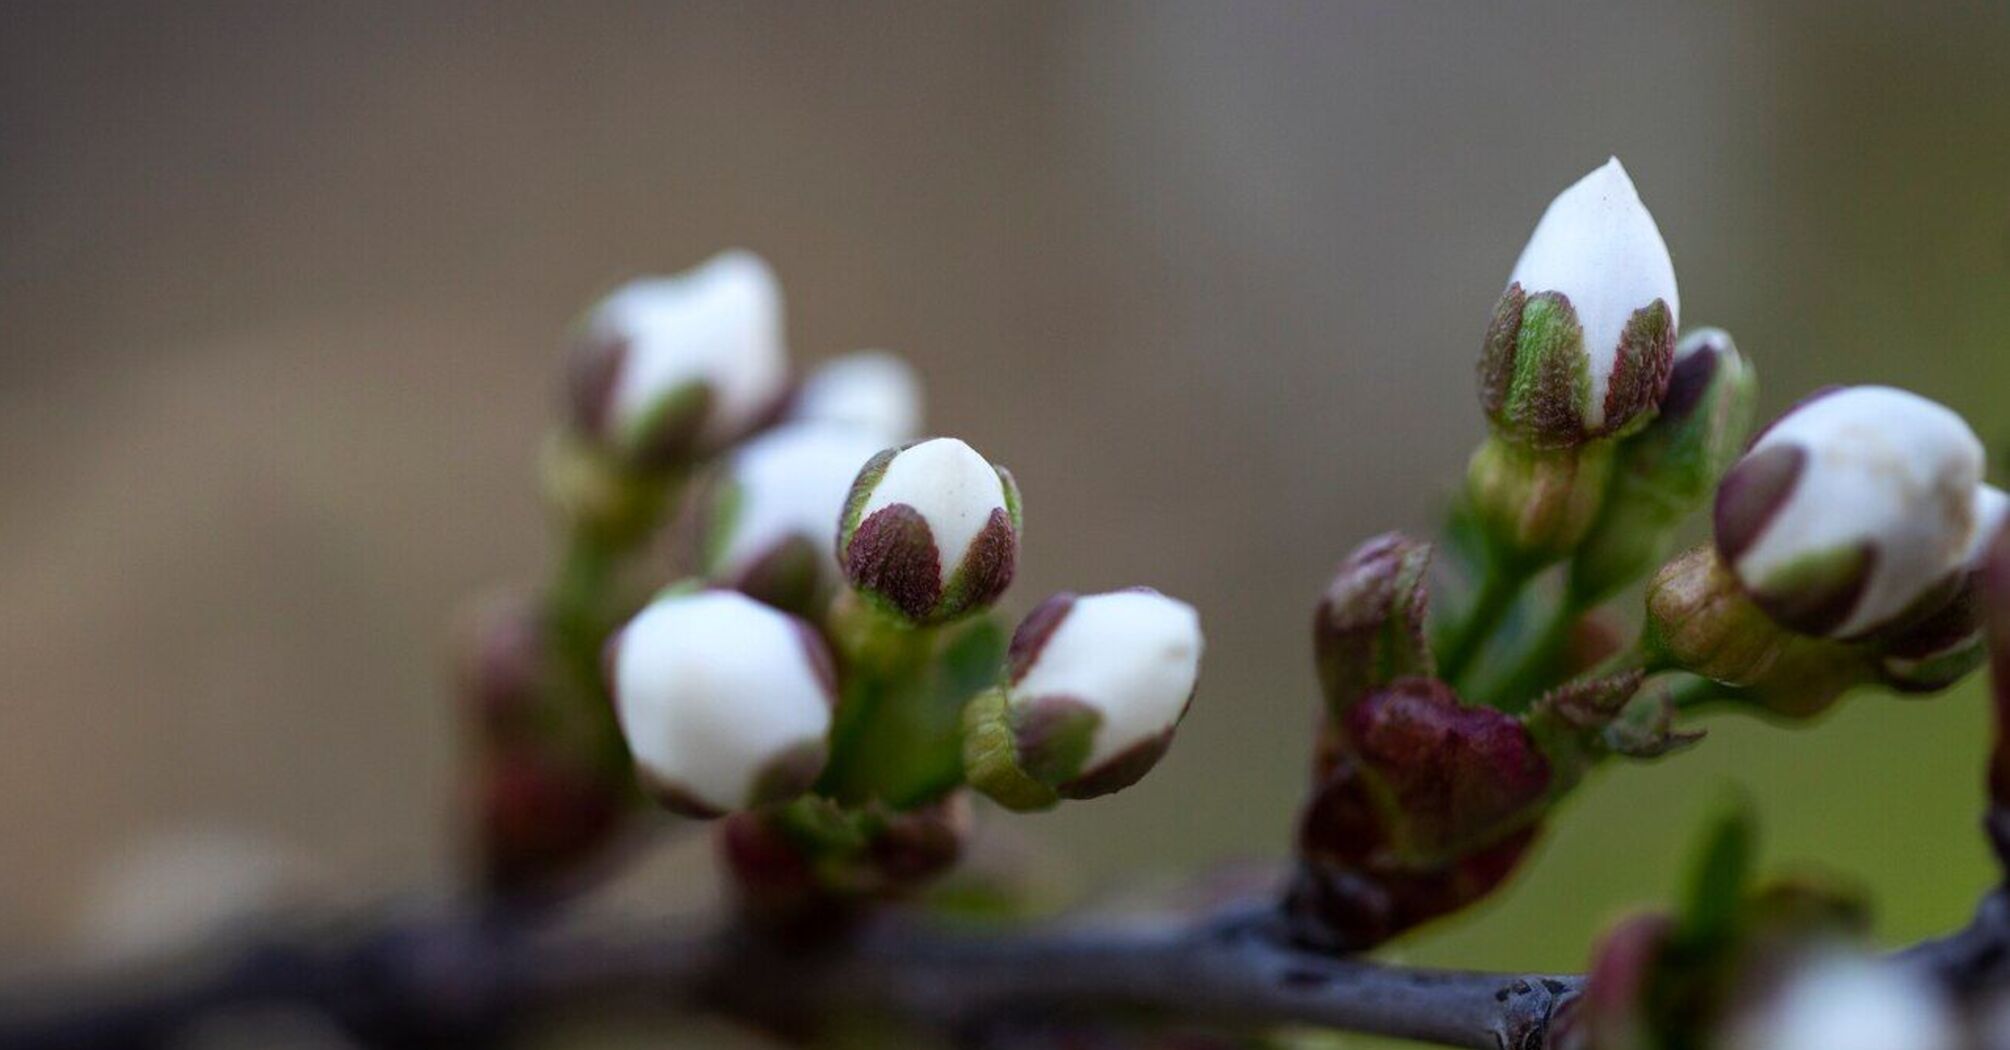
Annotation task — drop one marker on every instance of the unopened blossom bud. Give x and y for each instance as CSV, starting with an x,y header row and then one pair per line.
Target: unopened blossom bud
x,y
774,509
668,366
1369,627
1854,511
1427,806
725,702
1094,688
1581,343
871,389
930,531
1670,467
1848,1002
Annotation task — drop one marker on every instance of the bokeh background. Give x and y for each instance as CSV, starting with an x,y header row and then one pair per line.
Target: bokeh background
x,y
282,287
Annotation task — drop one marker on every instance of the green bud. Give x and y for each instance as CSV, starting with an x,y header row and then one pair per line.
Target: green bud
x,y
1669,469
1700,620
1369,628
1536,505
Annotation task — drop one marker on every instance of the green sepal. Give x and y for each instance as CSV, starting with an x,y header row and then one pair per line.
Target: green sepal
x,y
991,756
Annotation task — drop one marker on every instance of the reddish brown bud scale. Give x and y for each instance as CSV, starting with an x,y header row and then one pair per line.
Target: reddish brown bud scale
x,y
892,556
1642,369
1751,494
1369,628
1033,632
1424,807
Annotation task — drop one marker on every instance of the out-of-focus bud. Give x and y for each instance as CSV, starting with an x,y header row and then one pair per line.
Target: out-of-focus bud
x,y
1853,512
1850,1002
1581,342
871,389
774,510
1094,688
1700,620
930,531
725,702
502,664
670,366
1428,807
1369,627
1536,505
1942,649
1670,467
1612,1014
540,813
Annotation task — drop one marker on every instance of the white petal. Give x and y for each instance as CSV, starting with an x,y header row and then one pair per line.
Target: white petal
x,y
1885,467
711,687
792,481
1598,245
953,487
1992,509
720,322
1851,1003
1134,656
871,388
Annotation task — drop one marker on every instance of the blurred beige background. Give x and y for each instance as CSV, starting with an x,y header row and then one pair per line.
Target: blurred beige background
x,y
281,287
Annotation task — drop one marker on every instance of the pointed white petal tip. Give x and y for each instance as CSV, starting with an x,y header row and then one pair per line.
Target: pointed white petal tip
x,y
1133,656
871,389
1599,246
711,688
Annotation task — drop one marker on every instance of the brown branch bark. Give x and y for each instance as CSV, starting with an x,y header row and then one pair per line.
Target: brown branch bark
x,y
462,980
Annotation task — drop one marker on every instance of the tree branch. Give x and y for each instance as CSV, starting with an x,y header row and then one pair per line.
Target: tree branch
x,y
460,980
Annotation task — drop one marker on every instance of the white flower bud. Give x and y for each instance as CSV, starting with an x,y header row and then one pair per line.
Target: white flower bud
x,y
1094,688
775,511
931,530
1847,1002
1582,342
691,361
724,701
870,389
1852,509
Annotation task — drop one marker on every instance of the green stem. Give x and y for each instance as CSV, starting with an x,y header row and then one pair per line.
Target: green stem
x,y
1498,589
1537,669
1696,693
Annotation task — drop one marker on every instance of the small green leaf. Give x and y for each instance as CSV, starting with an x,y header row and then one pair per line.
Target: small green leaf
x,y
1722,873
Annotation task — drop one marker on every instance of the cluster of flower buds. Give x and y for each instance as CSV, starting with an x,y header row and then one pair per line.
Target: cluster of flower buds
x,y
1579,352
1094,687
836,731
1421,803
1846,541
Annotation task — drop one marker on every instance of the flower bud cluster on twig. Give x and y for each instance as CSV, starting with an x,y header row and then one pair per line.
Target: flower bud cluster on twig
x,y
832,664
833,682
